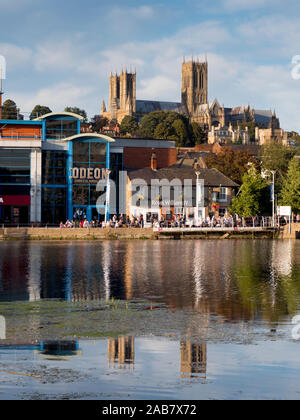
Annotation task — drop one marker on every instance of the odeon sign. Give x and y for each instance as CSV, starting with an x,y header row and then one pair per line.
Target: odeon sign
x,y
91,174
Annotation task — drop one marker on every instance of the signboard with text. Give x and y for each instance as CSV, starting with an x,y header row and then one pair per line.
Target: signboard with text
x,y
284,211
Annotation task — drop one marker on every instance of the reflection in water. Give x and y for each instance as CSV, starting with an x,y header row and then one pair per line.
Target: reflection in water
x,y
236,280
121,352
193,360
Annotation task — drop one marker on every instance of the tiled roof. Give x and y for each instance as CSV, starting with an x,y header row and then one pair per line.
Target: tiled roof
x,y
145,107
211,177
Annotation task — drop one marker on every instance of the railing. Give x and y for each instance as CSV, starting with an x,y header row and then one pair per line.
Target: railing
x,y
240,223
19,135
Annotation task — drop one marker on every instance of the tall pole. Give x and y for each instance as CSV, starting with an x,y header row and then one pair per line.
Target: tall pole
x,y
273,198
197,197
107,202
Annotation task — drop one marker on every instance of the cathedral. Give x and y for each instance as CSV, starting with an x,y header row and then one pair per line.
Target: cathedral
x,y
194,101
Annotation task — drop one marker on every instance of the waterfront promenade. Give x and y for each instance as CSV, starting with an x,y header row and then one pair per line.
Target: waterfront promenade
x,y
36,233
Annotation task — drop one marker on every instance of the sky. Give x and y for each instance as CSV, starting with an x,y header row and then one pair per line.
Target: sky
x,y
60,54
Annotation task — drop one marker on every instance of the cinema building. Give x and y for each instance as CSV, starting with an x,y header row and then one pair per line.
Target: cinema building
x,y
49,169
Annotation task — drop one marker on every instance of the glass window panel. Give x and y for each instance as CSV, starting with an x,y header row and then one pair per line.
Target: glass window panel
x,y
81,152
80,195
98,152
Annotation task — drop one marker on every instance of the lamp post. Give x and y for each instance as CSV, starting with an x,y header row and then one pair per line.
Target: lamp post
x,y
273,197
107,207
197,196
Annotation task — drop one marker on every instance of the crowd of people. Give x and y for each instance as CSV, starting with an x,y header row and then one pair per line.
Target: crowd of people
x,y
175,221
114,222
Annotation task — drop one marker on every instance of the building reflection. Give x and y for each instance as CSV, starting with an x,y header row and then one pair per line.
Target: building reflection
x,y
235,280
121,352
193,360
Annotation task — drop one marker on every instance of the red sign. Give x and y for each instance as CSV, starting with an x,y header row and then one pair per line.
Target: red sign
x,y
15,200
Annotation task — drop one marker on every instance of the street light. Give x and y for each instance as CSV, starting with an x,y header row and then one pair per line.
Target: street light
x,y
108,172
273,197
197,196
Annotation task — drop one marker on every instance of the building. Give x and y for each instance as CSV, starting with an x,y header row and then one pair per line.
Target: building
x,y
228,135
194,101
49,169
174,191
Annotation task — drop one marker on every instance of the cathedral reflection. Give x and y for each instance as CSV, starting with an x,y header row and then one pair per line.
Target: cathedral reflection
x,y
121,352
193,359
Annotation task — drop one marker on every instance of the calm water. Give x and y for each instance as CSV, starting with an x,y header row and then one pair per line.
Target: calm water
x,y
237,300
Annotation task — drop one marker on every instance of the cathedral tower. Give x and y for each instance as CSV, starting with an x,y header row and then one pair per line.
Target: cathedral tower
x,y
194,90
122,96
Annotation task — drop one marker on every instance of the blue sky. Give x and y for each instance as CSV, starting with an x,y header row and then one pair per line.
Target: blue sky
x,y
61,53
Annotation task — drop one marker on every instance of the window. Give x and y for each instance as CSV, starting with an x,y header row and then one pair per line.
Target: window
x,y
54,168
53,205
223,194
61,128
14,166
88,155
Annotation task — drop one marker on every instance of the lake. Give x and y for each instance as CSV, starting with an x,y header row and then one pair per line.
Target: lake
x,y
150,319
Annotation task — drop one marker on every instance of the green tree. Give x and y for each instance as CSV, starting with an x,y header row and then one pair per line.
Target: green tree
x,y
290,193
38,111
78,111
149,123
198,134
98,122
9,110
276,157
181,132
129,125
250,201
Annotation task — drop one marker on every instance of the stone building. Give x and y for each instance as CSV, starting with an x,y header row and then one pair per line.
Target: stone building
x,y
194,101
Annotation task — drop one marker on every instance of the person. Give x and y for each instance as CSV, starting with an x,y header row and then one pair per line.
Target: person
x,y
61,225
86,224
142,223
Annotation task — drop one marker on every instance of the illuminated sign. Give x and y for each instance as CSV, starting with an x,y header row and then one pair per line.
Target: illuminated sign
x,y
90,174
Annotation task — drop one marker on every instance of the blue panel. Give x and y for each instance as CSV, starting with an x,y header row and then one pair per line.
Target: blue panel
x,y
70,182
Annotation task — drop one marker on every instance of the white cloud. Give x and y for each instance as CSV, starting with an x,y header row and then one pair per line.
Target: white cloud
x,y
57,97
15,56
158,88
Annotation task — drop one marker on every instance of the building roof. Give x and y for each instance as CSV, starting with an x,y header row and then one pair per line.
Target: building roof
x,y
85,136
145,107
57,114
211,177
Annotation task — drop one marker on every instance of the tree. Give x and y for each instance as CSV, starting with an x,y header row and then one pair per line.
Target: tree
x,y
233,164
251,199
38,111
149,123
181,132
276,157
9,110
98,122
198,134
78,111
129,125
290,193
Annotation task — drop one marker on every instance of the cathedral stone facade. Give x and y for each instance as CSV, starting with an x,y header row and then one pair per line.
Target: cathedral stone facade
x,y
194,101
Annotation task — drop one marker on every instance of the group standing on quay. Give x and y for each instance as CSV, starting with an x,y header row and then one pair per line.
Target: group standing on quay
x,y
227,221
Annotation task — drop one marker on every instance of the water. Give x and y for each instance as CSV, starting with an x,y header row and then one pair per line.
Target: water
x,y
204,319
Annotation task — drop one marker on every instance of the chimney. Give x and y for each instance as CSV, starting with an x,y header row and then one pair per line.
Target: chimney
x,y
153,162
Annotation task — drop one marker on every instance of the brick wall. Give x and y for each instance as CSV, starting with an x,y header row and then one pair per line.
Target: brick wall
x,y
138,158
